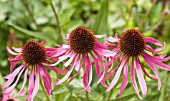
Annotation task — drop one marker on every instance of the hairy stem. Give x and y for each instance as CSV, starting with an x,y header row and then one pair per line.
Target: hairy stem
x,y
57,21
30,14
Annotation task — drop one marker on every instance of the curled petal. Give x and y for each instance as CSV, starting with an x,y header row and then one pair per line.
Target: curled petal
x,y
17,49
153,41
11,52
156,61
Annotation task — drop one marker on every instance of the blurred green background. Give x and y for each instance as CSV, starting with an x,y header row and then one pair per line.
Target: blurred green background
x,y
24,20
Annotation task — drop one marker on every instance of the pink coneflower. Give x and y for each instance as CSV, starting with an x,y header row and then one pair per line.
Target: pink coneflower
x,y
33,54
132,45
82,45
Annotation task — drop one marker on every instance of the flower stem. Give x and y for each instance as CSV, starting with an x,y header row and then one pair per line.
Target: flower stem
x,y
57,21
30,14
110,94
42,86
87,97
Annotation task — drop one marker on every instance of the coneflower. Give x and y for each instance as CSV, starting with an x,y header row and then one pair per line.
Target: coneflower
x,y
82,44
33,54
133,45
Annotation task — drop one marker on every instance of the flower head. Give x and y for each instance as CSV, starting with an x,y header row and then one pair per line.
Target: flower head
x,y
82,44
33,54
133,45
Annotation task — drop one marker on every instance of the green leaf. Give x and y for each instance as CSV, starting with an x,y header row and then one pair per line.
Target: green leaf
x,y
101,22
40,35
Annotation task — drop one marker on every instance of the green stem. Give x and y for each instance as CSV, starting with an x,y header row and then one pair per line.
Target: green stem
x,y
57,21
30,14
110,94
87,97
43,88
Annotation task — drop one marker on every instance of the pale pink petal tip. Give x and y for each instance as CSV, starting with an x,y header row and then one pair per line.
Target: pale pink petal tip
x,y
11,52
100,36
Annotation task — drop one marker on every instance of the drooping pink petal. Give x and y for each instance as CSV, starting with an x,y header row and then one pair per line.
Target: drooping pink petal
x,y
8,90
11,77
68,73
47,75
141,79
78,66
134,80
154,70
46,81
25,80
153,41
36,87
11,52
125,78
31,84
101,76
117,75
157,50
156,62
98,70
88,67
85,75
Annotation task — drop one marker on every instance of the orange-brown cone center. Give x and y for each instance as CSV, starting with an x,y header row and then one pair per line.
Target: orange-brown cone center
x,y
82,40
132,43
33,53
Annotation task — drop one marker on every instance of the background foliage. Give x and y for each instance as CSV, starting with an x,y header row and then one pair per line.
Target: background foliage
x,y
24,20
